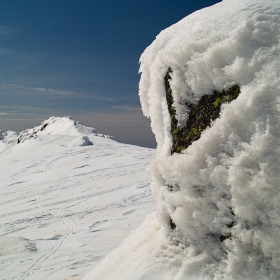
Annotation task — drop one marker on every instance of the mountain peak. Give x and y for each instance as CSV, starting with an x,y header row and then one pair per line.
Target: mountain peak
x,y
65,126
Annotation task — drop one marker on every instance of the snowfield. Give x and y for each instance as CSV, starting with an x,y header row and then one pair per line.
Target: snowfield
x,y
217,198
68,197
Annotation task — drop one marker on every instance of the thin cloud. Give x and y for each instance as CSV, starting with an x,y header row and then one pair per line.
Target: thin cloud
x,y
19,109
60,92
5,51
12,85
38,89
112,118
87,54
128,108
26,110
6,30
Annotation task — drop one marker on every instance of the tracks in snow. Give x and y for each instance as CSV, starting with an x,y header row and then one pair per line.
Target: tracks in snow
x,y
65,223
6,150
62,201
68,228
83,197
49,167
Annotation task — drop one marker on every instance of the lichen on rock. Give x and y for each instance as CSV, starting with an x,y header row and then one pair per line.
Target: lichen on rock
x,y
201,115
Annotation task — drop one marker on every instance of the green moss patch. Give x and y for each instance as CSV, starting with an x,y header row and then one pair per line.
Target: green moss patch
x,y
201,115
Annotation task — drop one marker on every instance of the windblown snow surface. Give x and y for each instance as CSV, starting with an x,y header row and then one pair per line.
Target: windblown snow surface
x,y
68,197
218,210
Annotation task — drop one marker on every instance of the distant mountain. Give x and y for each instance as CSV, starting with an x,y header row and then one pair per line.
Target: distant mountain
x,y
63,126
66,126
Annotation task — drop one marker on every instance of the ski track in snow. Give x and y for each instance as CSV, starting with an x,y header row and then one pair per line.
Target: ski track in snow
x,y
51,194
5,151
49,167
62,221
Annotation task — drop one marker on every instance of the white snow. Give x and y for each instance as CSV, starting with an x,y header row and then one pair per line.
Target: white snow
x,y
80,141
231,175
66,126
65,205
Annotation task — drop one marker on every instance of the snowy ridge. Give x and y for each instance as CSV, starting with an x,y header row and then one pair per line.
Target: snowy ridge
x,y
217,201
66,126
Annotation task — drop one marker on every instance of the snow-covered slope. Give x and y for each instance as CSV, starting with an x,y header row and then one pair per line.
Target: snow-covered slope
x,y
218,213
66,203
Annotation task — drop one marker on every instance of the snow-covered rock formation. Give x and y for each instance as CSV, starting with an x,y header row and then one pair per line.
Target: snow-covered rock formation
x,y
66,126
80,142
210,85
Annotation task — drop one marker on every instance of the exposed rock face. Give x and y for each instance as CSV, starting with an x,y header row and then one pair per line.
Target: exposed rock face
x,y
201,115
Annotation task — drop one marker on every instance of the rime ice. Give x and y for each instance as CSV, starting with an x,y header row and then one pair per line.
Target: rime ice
x,y
218,200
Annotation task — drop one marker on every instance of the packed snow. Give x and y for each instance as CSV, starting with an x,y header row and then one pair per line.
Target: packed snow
x,y
68,197
218,210
80,141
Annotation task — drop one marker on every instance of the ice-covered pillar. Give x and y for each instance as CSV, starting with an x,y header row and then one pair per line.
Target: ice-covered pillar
x,y
210,85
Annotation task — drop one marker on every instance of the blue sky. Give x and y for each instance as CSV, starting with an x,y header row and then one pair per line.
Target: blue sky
x,y
80,58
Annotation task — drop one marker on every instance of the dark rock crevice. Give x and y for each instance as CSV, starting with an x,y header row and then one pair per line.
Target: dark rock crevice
x,y
201,115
